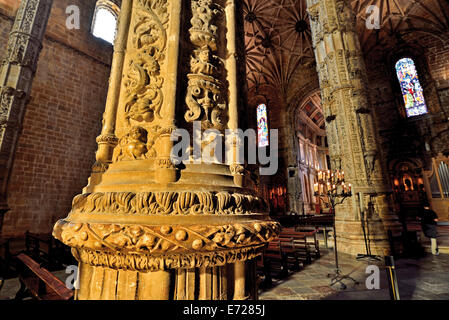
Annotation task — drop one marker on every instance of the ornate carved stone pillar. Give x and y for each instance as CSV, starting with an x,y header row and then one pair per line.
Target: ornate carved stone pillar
x,y
350,126
16,77
146,227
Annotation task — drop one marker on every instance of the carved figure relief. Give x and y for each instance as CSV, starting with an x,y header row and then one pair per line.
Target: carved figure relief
x,y
133,145
204,100
137,144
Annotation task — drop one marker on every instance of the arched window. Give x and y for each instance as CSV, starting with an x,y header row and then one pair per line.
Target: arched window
x,y
262,126
412,91
104,24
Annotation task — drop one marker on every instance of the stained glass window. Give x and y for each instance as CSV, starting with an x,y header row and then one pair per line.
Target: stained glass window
x,y
262,125
412,91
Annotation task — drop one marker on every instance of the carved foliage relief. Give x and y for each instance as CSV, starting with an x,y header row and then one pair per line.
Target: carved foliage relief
x,y
143,81
161,239
169,203
146,262
194,245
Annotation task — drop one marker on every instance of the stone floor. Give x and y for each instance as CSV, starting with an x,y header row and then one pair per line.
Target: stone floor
x,y
419,279
426,278
443,237
12,286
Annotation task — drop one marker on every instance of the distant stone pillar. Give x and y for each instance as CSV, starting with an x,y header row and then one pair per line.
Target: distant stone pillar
x,y
16,78
147,227
294,190
353,141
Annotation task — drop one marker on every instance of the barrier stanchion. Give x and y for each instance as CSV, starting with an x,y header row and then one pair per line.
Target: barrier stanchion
x,y
392,278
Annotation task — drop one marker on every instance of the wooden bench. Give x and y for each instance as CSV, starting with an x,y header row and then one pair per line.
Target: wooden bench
x,y
48,251
319,229
274,261
263,271
5,260
312,240
305,242
325,230
38,282
294,255
301,246
321,220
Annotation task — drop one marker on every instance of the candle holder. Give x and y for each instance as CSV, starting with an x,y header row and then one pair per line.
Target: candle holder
x,y
332,189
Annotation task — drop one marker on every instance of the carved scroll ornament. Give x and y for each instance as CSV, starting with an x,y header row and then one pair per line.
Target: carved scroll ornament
x,y
143,81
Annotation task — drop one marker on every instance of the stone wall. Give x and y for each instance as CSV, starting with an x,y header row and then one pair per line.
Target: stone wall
x,y
437,58
7,14
9,7
57,146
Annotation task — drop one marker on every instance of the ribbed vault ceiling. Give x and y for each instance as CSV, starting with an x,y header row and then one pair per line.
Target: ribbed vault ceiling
x,y
401,17
278,36
277,40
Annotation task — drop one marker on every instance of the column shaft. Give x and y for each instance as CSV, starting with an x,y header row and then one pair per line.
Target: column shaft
x,y
108,140
350,126
175,226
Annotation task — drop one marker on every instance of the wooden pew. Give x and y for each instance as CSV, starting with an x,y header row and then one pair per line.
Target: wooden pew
x,y
48,251
305,242
320,223
38,282
275,259
324,229
39,247
320,220
293,255
300,246
263,270
313,242
5,260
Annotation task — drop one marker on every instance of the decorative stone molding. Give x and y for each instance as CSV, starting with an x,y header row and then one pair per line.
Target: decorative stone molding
x,y
169,203
8,96
139,143
134,262
237,169
167,240
109,139
144,82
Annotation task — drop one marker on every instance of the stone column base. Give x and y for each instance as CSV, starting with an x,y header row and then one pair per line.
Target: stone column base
x,y
351,240
355,247
232,281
